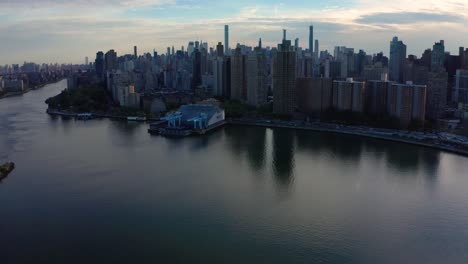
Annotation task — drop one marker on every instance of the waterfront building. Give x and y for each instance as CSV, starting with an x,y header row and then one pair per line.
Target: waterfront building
x,y
461,87
314,95
238,75
397,60
12,86
349,95
127,96
284,78
197,116
407,102
437,93
376,97
257,72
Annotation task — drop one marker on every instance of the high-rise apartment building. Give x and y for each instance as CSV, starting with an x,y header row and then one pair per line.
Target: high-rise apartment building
x,y
257,71
238,75
436,93
397,60
196,69
99,64
376,97
284,79
314,95
110,59
460,93
438,54
349,95
407,102
219,71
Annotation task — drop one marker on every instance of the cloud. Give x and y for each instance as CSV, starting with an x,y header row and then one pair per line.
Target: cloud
x,y
83,3
408,18
66,31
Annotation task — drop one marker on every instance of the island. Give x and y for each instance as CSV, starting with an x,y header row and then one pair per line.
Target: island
x,y
6,169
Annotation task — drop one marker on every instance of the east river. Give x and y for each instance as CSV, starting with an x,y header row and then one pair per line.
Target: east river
x,y
106,191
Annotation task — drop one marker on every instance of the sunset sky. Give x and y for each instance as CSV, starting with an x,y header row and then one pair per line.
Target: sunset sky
x,y
67,31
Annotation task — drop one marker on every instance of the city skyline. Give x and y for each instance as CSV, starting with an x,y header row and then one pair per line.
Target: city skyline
x,y
53,31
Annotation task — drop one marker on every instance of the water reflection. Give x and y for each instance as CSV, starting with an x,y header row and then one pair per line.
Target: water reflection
x,y
342,147
249,142
283,156
404,158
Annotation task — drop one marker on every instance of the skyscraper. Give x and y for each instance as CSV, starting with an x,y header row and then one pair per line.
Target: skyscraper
x,y
257,78
461,87
376,97
238,75
397,60
438,54
218,71
296,44
219,50
196,69
349,95
226,39
314,95
436,93
99,64
311,39
284,79
407,102
135,53
316,52
110,60
86,61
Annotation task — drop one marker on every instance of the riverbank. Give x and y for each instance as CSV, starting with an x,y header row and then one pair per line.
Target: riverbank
x,y
53,112
424,140
37,87
414,138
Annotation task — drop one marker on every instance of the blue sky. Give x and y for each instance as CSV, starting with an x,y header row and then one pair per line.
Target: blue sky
x,y
68,30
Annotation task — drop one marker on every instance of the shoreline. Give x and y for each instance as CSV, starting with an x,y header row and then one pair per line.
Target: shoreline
x,y
25,91
97,115
367,134
374,133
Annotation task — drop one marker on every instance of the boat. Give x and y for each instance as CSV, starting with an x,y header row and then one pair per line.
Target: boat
x,y
85,116
136,118
6,169
175,132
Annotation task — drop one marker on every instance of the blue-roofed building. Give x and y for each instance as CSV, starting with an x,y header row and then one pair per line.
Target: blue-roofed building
x,y
206,115
189,119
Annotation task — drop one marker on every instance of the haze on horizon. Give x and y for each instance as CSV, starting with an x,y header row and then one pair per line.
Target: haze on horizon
x,y
46,31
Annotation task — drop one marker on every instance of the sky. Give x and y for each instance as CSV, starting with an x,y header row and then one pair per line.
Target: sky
x,y
66,31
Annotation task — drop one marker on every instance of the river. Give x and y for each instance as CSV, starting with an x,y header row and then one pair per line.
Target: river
x,y
105,191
